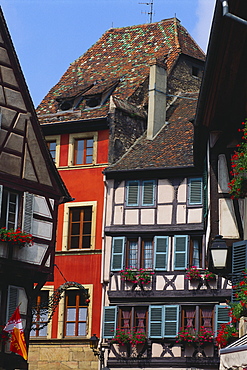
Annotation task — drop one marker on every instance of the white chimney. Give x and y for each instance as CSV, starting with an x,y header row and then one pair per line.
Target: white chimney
x,y
157,99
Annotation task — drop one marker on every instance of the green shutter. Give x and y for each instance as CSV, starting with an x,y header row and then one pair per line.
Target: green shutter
x,y
160,252
221,316
180,252
148,193
117,260
28,212
109,321
132,193
195,191
155,327
171,321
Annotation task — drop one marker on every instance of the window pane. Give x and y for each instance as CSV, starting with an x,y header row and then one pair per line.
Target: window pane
x,y
70,329
147,254
87,213
87,228
86,242
83,314
74,242
133,254
71,314
52,149
82,329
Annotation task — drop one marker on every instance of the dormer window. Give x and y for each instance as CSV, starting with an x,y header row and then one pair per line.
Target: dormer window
x,y
66,105
93,101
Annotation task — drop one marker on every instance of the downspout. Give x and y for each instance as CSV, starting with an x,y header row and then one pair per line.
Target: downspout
x,y
229,15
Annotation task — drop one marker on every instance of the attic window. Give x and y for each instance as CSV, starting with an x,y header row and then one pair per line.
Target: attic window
x,y
66,105
93,102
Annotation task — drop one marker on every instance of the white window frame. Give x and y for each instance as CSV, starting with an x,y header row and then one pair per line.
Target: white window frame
x,y
86,135
57,139
61,313
67,208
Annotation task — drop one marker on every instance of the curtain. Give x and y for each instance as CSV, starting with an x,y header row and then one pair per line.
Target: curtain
x,y
190,314
207,317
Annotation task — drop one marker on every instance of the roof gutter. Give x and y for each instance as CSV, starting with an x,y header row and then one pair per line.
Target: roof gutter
x,y
229,15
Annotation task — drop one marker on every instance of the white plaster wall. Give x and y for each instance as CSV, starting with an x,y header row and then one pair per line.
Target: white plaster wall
x,y
165,191
147,216
118,215
182,191
227,220
131,217
181,214
164,214
119,193
109,185
107,258
223,177
194,215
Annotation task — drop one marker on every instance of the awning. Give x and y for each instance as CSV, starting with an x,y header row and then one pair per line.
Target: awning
x,y
234,355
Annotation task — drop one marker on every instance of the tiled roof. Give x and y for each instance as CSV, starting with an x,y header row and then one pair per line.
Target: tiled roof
x,y
123,55
172,147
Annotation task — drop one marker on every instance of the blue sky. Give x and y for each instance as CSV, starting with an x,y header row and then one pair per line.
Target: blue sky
x,y
50,34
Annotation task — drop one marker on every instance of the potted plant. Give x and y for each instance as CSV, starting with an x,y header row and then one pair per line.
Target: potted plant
x,y
186,336
193,273
209,276
137,276
239,308
226,335
16,237
238,184
205,336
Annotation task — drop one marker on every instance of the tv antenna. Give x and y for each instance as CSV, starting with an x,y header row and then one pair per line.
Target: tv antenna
x,y
150,13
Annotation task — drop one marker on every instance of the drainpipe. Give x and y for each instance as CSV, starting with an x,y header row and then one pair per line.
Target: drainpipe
x,y
229,15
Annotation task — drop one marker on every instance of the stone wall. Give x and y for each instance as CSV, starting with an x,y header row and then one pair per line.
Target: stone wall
x,y
59,355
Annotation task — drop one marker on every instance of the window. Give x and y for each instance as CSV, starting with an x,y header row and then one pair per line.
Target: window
x,y
53,143
9,208
195,191
133,318
40,317
83,151
140,193
195,257
195,71
139,252
80,227
156,321
209,317
76,314
52,149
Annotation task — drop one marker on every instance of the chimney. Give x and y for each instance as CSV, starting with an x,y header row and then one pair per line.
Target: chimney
x,y
157,99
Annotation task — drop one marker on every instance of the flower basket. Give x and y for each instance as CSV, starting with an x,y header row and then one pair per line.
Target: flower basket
x,y
238,184
193,274
16,237
124,336
137,276
209,276
190,337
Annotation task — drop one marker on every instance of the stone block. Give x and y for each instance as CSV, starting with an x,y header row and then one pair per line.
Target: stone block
x,y
52,354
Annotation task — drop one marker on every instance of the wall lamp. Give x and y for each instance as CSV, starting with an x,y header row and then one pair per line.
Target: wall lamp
x,y
99,352
219,259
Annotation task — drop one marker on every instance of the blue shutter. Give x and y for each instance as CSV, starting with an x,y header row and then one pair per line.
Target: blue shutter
x,y
148,187
221,316
239,257
195,191
109,321
117,260
180,252
132,189
160,252
155,324
171,321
